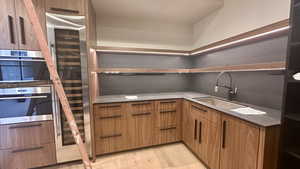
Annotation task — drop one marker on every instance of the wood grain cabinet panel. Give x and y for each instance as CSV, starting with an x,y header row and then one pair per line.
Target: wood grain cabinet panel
x,y
28,157
26,35
168,121
26,134
141,124
240,144
8,29
69,7
16,30
110,127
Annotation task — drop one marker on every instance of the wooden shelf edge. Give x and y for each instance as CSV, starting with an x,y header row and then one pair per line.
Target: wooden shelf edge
x,y
242,68
139,70
257,34
232,68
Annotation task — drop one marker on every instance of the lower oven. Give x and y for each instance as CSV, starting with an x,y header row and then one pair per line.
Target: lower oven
x,y
28,104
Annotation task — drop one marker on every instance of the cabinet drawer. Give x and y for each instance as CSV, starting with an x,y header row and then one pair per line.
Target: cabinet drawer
x,y
141,107
109,125
168,118
107,110
168,134
26,134
29,157
111,143
206,113
168,105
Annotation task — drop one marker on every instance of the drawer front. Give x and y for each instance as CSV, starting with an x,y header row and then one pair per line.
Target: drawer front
x,y
168,105
206,113
28,157
106,110
26,134
168,135
169,113
111,143
141,107
109,125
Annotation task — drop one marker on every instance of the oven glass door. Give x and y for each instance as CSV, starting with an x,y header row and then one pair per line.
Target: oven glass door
x,y
14,70
25,105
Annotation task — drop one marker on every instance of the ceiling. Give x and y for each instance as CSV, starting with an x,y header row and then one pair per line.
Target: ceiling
x,y
172,11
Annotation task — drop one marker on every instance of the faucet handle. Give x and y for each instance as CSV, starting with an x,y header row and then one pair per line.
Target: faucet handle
x,y
235,90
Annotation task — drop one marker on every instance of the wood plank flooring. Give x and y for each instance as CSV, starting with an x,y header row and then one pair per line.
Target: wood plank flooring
x,y
173,156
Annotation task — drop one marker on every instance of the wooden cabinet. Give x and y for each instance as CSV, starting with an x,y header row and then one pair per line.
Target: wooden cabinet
x,y
69,7
168,121
8,27
141,124
110,128
16,29
26,35
206,131
28,157
27,145
240,144
26,134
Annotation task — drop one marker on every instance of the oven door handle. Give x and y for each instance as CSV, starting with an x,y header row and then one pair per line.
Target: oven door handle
x,y
22,60
25,97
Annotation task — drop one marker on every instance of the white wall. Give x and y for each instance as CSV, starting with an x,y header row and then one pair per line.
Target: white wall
x,y
239,16
143,34
235,17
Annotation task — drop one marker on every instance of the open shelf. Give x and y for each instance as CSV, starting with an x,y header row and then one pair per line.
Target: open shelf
x,y
294,152
242,68
293,116
231,68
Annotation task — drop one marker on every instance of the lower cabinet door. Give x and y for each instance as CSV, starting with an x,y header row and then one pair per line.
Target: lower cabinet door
x,y
211,143
240,144
29,157
141,124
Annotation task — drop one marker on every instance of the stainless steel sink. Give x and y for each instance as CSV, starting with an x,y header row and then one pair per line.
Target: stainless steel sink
x,y
219,103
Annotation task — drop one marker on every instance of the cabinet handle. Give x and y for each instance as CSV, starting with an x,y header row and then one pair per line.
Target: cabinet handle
x,y
141,114
26,126
140,104
224,134
170,111
169,128
11,29
65,10
110,136
110,117
200,132
166,102
110,106
27,149
198,108
195,130
22,30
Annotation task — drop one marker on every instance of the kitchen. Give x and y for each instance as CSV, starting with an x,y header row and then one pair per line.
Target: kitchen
x,y
208,84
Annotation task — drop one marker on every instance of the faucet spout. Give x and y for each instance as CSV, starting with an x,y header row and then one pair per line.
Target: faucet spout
x,y
232,92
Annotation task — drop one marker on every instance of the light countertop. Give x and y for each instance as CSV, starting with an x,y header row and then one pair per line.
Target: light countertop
x,y
271,118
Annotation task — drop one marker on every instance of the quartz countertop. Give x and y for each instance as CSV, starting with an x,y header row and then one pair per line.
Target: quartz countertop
x,y
271,118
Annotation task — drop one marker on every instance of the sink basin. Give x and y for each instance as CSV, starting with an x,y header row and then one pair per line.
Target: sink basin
x,y
219,103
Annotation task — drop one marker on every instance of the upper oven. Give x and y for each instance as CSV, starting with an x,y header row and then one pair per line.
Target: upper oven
x,y
22,66
26,104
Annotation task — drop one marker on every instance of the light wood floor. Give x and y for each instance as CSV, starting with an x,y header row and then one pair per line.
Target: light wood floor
x,y
174,156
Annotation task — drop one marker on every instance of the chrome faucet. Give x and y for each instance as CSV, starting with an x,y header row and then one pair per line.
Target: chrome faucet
x,y
232,92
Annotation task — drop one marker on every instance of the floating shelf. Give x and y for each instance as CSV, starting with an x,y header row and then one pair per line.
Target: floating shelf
x,y
293,116
242,68
233,68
